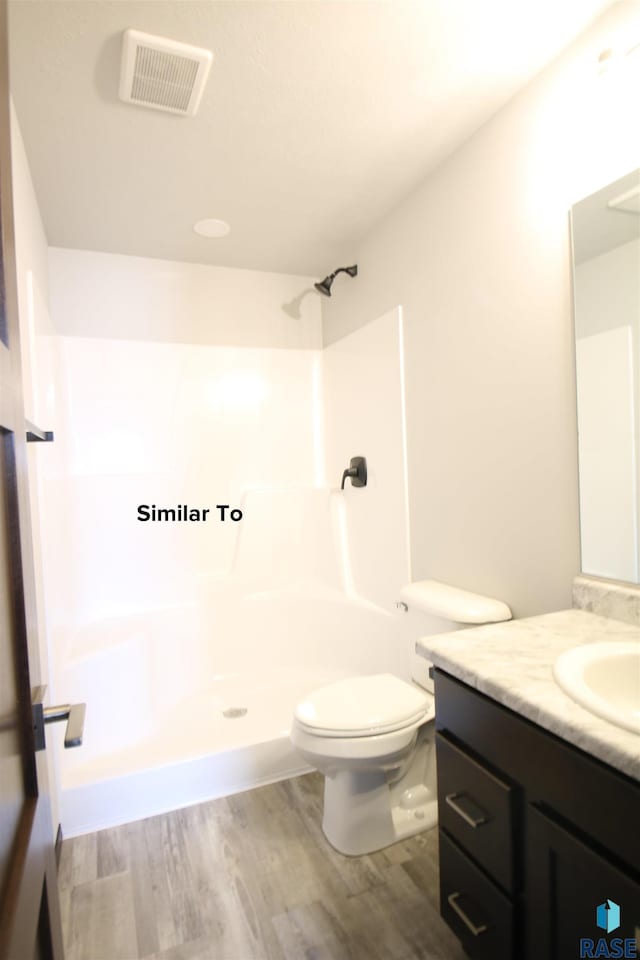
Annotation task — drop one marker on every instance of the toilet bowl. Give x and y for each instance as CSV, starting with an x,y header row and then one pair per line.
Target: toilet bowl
x,y
373,739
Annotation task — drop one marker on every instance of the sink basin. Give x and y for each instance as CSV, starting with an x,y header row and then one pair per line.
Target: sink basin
x,y
604,678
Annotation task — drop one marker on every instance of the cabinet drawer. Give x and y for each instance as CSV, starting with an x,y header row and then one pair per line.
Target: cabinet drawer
x,y
476,809
477,912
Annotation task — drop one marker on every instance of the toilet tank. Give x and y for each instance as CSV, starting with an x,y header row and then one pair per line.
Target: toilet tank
x,y
433,608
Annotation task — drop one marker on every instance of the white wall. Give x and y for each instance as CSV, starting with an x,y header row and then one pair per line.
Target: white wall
x,y
166,424
137,298
157,407
363,376
479,258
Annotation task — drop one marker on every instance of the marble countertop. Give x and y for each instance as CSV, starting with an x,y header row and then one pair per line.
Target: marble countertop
x,y
512,663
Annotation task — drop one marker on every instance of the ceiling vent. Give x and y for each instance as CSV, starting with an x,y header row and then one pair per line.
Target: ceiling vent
x,y
163,74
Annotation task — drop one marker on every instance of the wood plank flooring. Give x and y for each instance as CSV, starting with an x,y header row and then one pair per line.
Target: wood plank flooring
x,y
249,877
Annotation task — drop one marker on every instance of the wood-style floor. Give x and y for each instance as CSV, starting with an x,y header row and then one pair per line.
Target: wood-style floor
x,y
249,877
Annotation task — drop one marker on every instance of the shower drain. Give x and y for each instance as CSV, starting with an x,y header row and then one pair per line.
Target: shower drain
x,y
232,713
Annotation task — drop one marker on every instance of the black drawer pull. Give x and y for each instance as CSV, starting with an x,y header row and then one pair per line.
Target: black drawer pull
x,y
452,900
469,818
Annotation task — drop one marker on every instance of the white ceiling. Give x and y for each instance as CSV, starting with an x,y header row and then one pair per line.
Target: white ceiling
x,y
318,117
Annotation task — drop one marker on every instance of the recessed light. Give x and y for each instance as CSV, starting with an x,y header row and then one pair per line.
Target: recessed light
x,y
211,228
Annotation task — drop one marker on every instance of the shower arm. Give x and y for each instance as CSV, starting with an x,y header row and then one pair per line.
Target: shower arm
x,y
339,270
324,286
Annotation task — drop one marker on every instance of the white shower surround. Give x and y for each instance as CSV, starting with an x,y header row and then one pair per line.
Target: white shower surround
x,y
162,627
167,743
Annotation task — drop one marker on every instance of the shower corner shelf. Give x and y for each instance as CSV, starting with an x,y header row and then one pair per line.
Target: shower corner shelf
x,y
36,435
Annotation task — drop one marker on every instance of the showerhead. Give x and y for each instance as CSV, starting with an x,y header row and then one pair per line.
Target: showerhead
x,y
324,286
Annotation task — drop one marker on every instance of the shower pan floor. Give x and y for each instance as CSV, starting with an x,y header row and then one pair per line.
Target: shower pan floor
x,y
230,737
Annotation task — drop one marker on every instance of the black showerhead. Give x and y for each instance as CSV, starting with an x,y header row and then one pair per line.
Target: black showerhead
x,y
324,286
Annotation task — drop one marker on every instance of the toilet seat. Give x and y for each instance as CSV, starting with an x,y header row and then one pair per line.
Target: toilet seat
x,y
363,707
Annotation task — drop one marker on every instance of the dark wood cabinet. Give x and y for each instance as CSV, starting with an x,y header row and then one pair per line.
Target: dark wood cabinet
x,y
475,909
534,834
477,811
566,879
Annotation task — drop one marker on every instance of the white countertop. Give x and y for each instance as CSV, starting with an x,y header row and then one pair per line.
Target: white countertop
x,y
513,662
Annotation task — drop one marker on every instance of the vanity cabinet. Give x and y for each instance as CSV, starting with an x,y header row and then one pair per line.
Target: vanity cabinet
x,y
566,878
534,833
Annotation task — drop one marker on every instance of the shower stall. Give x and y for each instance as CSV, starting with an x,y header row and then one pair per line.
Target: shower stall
x,y
192,640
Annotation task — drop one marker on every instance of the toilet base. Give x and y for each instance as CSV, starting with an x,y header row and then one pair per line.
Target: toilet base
x,y
365,811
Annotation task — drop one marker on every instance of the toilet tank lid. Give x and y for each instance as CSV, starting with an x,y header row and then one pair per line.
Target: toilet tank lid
x,y
452,603
360,706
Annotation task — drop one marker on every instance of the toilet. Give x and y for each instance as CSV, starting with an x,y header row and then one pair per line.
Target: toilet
x,y
373,739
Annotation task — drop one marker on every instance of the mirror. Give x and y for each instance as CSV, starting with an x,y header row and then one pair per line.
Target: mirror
x,y
606,289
